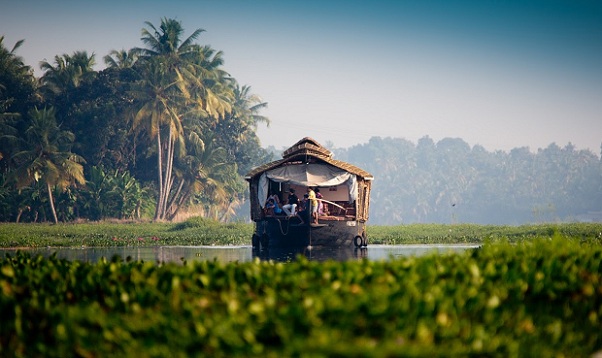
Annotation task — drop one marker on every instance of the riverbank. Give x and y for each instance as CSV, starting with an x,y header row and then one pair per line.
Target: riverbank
x,y
199,232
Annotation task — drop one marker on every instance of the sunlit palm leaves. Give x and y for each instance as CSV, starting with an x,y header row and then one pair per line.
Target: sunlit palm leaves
x,y
173,92
48,158
179,79
206,178
121,59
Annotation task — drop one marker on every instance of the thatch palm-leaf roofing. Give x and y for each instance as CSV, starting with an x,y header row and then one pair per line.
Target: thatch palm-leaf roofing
x,y
303,150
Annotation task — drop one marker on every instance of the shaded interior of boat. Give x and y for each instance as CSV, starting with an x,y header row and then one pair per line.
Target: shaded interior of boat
x,y
333,206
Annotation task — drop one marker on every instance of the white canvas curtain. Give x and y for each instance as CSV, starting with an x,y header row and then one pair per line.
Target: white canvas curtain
x,y
307,175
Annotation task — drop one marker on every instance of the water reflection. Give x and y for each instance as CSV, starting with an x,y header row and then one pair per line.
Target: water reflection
x,y
314,254
178,254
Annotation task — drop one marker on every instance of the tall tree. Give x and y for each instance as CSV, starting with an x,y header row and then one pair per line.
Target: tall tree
x,y
17,82
236,132
67,73
61,86
48,158
174,84
122,59
205,169
159,117
17,95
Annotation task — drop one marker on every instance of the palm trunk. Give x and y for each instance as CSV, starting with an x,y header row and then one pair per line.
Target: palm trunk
x,y
168,173
174,202
225,214
138,207
160,170
177,206
51,199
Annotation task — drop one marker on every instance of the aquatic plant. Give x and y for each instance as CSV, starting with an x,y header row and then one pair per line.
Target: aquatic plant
x,y
539,297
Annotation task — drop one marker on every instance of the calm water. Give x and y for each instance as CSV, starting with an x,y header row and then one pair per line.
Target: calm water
x,y
240,253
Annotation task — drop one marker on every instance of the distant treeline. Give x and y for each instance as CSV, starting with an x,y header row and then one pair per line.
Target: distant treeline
x,y
165,132
450,182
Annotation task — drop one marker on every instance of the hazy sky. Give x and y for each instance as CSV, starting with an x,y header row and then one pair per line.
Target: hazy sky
x,y
499,73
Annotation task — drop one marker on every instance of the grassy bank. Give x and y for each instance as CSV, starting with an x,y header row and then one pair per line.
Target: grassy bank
x,y
195,231
470,233
198,231
541,297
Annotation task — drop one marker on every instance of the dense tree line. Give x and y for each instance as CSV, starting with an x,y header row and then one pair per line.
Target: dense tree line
x,y
162,130
450,182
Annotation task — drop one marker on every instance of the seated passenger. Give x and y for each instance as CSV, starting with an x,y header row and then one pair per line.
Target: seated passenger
x,y
303,209
272,206
291,203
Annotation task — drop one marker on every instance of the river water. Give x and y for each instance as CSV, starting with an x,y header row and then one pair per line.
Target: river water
x,y
179,254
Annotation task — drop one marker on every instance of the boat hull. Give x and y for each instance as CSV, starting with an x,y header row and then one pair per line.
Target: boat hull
x,y
290,232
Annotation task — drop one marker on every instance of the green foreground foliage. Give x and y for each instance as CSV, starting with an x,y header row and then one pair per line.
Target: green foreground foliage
x,y
541,297
200,231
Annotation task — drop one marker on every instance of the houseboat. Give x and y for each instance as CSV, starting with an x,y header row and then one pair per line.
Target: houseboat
x,y
343,197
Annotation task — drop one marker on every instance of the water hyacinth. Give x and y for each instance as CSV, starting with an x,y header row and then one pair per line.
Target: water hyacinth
x,y
537,298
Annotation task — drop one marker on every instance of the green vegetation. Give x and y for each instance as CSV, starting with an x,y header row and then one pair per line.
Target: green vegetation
x,y
165,130
541,297
195,231
450,182
470,234
162,130
201,231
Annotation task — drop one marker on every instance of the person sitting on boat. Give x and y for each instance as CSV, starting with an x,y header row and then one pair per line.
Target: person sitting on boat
x,y
303,209
291,203
272,206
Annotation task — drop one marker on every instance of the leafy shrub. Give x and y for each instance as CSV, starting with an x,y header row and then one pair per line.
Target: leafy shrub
x,y
197,222
536,298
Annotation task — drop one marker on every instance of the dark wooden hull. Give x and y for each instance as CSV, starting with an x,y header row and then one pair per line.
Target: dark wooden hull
x,y
281,232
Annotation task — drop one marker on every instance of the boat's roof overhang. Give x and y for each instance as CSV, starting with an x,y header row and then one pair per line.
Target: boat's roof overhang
x,y
305,151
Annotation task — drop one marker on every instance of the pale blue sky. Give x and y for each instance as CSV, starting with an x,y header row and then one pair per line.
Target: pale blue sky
x,y
501,74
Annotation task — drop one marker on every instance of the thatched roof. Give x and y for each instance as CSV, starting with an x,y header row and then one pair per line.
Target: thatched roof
x,y
305,147
303,150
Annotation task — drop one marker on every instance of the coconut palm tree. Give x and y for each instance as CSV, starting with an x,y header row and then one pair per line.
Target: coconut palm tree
x,y
17,95
237,130
167,43
121,59
67,73
48,157
158,115
209,85
17,82
178,79
205,169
